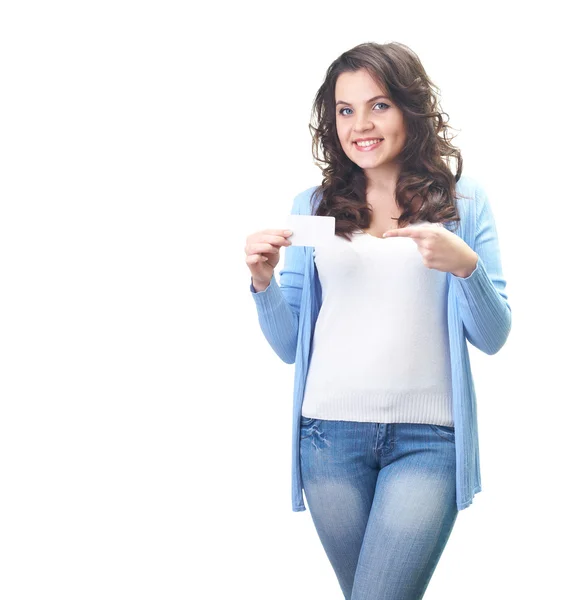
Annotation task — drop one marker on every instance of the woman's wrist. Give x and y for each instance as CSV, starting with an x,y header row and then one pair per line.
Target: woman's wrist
x,y
469,268
260,286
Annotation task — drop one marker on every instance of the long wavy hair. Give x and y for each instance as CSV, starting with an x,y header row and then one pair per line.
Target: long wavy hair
x,y
425,159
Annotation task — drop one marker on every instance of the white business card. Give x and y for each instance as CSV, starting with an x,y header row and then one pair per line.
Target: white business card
x,y
310,230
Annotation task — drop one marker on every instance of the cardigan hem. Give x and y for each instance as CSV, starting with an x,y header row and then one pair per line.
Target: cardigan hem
x,y
469,502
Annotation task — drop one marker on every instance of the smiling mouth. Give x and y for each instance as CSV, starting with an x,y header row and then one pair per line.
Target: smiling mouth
x,y
369,146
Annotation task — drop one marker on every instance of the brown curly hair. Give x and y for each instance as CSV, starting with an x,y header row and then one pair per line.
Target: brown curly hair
x,y
425,171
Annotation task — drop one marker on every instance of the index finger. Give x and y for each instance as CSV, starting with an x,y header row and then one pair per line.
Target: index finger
x,y
283,232
404,232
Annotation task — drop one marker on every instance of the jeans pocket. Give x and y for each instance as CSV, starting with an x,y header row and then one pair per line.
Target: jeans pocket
x,y
307,424
444,431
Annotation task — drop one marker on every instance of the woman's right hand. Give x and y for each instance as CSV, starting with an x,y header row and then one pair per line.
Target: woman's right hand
x,y
263,251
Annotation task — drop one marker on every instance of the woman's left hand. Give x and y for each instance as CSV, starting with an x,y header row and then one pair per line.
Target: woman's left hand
x,y
440,248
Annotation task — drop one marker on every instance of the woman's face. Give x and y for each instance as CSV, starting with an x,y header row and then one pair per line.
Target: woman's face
x,y
360,115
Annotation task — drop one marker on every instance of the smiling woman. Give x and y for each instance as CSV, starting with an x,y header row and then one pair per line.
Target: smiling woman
x,y
382,137
384,438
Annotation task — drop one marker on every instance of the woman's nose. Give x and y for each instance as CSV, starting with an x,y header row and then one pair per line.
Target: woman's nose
x,y
362,122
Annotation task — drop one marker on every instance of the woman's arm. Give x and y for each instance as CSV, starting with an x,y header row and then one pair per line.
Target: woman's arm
x,y
278,306
481,296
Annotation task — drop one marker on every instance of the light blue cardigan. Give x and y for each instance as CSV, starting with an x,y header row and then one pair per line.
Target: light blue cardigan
x,y
478,310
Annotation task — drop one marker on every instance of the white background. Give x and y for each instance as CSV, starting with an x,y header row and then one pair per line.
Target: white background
x,y
145,423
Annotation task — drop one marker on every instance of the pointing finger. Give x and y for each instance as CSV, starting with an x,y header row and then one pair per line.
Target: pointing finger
x,y
413,232
402,232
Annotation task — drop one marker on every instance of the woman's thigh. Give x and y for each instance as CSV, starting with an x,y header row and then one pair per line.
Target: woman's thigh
x,y
339,472
412,514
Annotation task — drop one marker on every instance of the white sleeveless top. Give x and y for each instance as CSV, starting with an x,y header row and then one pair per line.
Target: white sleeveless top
x,y
380,350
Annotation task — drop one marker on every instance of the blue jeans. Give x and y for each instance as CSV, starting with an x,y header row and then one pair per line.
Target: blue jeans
x,y
383,501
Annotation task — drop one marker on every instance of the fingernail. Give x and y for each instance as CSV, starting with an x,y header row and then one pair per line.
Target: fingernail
x,y
287,232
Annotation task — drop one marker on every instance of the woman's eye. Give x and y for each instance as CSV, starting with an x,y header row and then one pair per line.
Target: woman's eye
x,y
377,104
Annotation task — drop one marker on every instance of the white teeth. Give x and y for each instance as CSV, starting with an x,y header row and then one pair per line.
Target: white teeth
x,y
369,143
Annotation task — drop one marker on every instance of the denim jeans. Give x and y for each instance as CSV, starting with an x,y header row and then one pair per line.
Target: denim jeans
x,y
383,501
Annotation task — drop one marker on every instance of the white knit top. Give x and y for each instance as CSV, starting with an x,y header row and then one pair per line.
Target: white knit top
x,y
380,349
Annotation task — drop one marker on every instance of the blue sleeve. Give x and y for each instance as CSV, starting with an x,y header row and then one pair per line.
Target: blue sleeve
x,y
278,306
482,296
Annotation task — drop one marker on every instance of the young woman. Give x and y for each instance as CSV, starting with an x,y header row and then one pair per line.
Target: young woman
x,y
385,439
